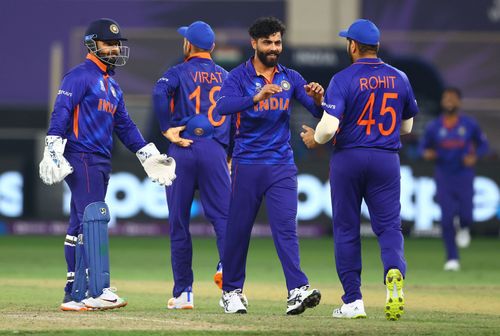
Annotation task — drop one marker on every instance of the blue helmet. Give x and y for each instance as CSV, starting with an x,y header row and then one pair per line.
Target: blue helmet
x,y
106,30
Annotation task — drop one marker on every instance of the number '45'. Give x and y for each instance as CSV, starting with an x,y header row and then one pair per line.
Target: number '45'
x,y
369,122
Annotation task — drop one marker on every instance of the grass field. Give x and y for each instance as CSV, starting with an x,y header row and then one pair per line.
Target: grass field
x,y
32,275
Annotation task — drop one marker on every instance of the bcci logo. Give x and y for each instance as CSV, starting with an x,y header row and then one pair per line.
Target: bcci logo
x,y
199,131
103,211
114,29
258,87
285,85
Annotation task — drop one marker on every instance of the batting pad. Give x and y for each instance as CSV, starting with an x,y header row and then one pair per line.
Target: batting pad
x,y
79,289
95,238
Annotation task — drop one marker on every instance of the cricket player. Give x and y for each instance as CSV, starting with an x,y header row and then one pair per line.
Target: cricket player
x,y
259,93
184,102
455,142
367,106
89,107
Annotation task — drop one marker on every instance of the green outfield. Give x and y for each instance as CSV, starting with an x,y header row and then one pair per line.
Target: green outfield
x,y
32,275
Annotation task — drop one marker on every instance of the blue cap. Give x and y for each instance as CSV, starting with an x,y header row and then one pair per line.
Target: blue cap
x,y
198,125
363,31
200,34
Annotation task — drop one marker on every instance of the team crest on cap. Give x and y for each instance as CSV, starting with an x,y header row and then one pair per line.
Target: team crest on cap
x,y
199,131
114,29
103,211
285,85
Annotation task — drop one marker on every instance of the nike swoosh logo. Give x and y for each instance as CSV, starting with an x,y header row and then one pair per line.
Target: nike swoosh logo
x,y
112,301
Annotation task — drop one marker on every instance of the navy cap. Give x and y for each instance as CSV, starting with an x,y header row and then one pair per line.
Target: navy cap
x,y
200,34
199,126
363,31
104,30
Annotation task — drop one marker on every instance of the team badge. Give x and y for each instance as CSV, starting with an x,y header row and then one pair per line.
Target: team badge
x,y
461,131
258,87
199,131
285,85
113,92
102,85
114,29
103,211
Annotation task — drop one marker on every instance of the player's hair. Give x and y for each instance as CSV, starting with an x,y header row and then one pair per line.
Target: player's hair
x,y
365,48
266,26
453,89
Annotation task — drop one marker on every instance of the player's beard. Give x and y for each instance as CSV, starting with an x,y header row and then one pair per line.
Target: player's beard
x,y
267,61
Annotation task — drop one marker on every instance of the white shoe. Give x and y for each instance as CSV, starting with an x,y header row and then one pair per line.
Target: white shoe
x,y
353,310
232,302
107,300
73,306
183,301
462,238
243,299
452,265
301,298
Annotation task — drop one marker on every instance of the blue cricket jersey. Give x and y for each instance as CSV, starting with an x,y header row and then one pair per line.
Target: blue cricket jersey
x,y
370,98
89,107
453,142
190,88
262,133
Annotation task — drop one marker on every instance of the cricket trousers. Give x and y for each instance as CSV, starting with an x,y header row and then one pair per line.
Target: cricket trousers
x,y
455,197
250,183
88,183
375,176
202,166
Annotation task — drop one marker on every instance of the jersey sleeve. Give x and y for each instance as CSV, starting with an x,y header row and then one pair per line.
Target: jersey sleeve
x,y
300,94
480,140
427,141
410,107
231,98
126,129
335,98
163,93
70,94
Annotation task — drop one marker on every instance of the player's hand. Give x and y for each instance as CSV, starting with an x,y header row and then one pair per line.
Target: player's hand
x,y
470,160
308,137
430,154
54,167
266,92
173,134
315,91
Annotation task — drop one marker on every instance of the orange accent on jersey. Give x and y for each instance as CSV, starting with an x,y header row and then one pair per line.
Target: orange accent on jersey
x,y
238,120
97,61
212,107
384,109
76,113
202,54
172,105
196,94
370,121
106,106
450,122
206,77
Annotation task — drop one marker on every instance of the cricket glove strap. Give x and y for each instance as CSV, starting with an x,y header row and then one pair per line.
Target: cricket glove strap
x,y
159,167
54,167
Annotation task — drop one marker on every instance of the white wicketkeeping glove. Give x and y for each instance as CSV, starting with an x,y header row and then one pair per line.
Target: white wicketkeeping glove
x,y
159,167
54,167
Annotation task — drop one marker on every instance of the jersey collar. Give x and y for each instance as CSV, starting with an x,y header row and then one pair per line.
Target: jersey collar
x,y
253,72
369,61
203,54
93,58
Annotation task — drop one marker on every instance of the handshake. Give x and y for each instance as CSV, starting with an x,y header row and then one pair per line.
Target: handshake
x,y
54,167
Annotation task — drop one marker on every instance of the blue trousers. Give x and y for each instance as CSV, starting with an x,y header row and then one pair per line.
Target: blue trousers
x,y
375,176
88,183
201,166
250,183
455,197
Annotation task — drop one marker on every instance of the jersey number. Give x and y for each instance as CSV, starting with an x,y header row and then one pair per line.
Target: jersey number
x,y
196,95
369,122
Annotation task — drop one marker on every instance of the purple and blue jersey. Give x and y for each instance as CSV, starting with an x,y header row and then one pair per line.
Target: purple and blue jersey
x,y
262,134
370,98
88,108
453,142
191,88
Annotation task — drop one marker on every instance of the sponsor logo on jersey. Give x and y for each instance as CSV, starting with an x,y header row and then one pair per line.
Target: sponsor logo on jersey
x,y
329,106
65,93
102,85
163,79
285,85
113,91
